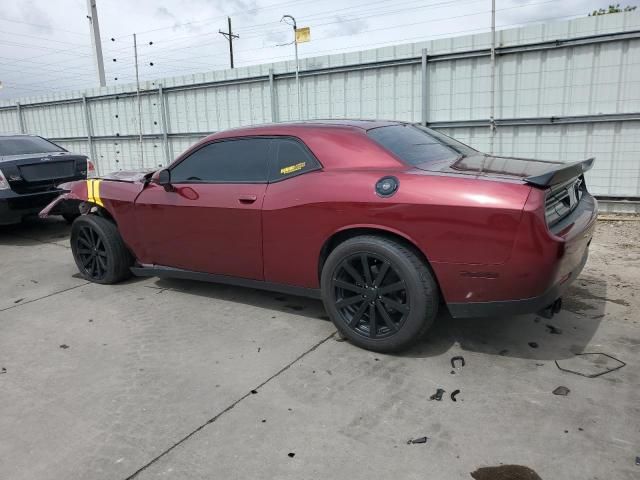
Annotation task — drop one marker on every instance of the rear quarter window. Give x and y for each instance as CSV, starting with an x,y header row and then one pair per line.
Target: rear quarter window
x,y
290,158
415,144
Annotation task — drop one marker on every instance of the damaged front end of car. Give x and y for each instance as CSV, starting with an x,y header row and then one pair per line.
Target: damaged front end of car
x,y
72,201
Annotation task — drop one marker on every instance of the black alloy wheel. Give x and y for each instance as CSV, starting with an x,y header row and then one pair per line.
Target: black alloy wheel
x,y
92,253
99,251
371,296
379,292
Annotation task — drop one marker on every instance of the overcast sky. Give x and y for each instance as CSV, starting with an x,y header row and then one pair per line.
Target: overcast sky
x,y
45,45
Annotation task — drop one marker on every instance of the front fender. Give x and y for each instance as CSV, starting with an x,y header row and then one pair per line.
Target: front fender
x,y
77,191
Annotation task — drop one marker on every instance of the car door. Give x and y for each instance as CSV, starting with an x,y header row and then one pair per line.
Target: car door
x,y
290,214
210,220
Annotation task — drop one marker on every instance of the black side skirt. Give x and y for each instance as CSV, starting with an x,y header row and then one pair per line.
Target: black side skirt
x,y
170,272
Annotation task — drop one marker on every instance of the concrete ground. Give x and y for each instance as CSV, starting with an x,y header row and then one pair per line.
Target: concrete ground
x,y
175,379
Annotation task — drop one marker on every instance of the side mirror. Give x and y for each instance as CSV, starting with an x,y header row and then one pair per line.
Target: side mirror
x,y
164,179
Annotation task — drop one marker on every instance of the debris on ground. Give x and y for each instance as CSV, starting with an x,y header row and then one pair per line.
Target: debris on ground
x,y
554,330
457,359
438,395
3,370
254,392
590,364
533,344
64,346
291,454
417,440
564,391
637,460
505,472
453,395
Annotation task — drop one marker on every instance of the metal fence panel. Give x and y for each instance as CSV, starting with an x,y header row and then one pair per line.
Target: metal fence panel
x,y
564,91
58,120
9,121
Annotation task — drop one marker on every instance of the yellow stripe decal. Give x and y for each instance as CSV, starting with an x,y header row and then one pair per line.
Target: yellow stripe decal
x,y
90,190
96,193
93,192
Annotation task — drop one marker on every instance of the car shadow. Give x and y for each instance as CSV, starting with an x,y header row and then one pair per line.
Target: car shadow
x,y
305,307
34,230
523,336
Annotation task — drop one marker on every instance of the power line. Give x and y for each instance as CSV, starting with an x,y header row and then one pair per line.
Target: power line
x,y
42,38
48,27
121,66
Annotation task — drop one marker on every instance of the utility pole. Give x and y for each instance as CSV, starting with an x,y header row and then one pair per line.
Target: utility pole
x,y
95,40
141,149
295,42
229,36
492,121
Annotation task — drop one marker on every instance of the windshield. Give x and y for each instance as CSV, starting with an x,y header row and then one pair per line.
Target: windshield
x,y
415,144
24,145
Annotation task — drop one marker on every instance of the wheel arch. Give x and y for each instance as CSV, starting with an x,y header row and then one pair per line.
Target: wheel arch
x,y
95,209
346,233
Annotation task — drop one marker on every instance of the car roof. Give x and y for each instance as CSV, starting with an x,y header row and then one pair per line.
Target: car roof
x,y
291,128
270,128
344,122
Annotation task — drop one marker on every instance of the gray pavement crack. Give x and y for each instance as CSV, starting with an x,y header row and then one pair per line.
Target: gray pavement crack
x,y
26,302
228,408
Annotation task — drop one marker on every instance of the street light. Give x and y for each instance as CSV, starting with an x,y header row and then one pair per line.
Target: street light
x,y
295,42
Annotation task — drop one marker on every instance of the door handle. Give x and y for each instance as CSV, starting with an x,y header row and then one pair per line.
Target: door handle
x,y
246,199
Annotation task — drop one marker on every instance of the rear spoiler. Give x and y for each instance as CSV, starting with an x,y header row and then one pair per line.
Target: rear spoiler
x,y
561,174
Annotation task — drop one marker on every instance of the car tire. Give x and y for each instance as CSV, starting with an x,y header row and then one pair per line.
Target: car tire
x,y
403,302
99,251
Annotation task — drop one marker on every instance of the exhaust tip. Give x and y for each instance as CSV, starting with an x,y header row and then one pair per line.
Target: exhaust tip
x,y
550,310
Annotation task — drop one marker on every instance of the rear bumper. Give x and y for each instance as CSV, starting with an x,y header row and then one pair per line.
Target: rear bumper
x,y
14,207
517,307
543,263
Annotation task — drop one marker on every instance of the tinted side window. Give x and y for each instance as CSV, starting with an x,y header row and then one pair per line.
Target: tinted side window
x,y
291,158
234,161
414,145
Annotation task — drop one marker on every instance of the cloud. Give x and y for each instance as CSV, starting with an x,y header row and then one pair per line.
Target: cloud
x,y
347,26
31,13
236,7
163,12
277,37
179,25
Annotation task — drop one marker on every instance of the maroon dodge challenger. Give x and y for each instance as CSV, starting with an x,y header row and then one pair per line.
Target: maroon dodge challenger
x,y
384,221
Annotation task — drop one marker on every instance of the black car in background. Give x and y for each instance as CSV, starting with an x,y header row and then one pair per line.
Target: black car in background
x,y
31,168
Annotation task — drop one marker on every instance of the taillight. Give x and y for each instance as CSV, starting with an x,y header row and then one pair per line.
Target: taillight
x,y
91,169
4,184
563,199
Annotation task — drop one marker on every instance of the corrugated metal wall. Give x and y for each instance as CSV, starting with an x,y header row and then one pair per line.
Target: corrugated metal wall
x,y
575,96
